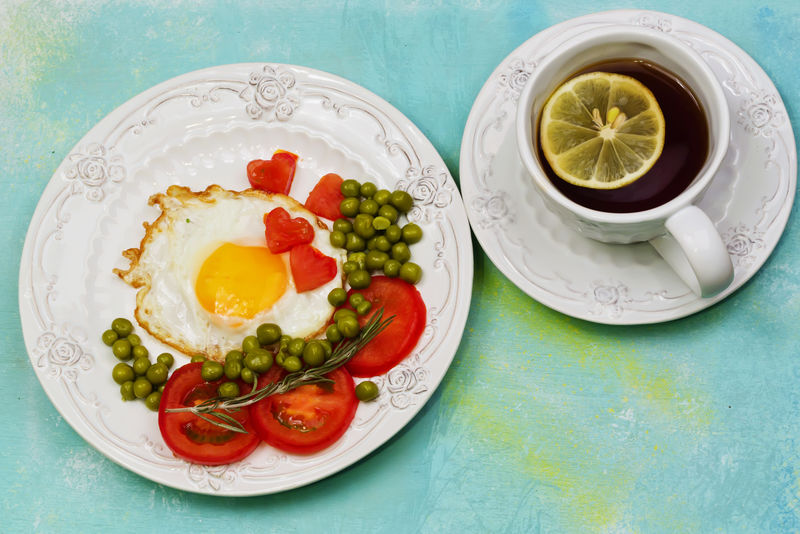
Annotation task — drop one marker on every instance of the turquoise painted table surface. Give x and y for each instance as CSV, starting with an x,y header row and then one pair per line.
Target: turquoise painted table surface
x,y
543,423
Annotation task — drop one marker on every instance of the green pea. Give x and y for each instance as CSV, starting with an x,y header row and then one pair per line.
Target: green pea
x,y
281,357
157,373
350,188
292,364
134,340
248,376
411,272
250,343
393,233
359,258
337,297
122,326
258,361
165,358
313,354
400,252
228,390
234,356
284,342
366,390
140,366
364,307
344,312
381,196
232,369
359,279
126,390
372,243
381,222
368,189
142,387
153,400
342,225
412,233
376,260
401,200
349,266
392,268
296,346
349,327
389,212
382,244
109,337
368,206
122,372
338,239
122,349
354,242
140,351
362,226
268,333
332,334
356,299
349,207
198,358
326,347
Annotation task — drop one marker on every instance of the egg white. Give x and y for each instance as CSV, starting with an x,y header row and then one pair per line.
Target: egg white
x,y
190,228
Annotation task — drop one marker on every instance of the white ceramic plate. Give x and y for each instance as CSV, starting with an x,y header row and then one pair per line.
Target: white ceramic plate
x,y
749,200
195,130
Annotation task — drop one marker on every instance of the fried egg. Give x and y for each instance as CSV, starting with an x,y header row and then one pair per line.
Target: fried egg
x,y
206,278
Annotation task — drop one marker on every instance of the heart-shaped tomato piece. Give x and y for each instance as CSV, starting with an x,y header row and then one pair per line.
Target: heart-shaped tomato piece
x,y
284,232
273,175
310,268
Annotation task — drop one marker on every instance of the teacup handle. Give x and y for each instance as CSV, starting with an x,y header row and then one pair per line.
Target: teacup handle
x,y
695,251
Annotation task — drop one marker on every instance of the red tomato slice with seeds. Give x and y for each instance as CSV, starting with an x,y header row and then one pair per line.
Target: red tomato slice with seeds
x,y
310,268
283,232
273,175
326,196
189,436
306,419
390,347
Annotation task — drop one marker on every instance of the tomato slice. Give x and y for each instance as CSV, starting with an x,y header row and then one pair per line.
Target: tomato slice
x,y
326,196
273,175
192,438
306,419
310,268
390,347
283,232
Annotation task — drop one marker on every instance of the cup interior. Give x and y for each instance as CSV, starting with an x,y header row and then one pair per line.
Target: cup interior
x,y
603,44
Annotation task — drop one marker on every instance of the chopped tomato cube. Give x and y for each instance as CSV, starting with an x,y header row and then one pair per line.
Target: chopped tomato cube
x,y
273,175
310,268
326,196
283,232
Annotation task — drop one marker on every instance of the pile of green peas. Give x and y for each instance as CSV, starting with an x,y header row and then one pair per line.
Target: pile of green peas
x,y
373,238
141,379
345,321
258,354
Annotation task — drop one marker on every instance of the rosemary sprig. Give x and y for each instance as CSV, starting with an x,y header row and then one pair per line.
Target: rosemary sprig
x,y
216,410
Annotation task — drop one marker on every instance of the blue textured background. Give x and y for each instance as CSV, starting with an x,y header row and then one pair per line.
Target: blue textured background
x,y
543,423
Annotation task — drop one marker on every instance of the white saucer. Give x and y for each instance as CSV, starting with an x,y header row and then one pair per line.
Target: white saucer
x,y
749,201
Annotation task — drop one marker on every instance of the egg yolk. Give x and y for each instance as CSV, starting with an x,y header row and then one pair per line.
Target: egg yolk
x,y
239,281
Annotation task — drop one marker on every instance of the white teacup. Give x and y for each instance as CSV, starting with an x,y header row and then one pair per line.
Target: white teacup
x,y
681,232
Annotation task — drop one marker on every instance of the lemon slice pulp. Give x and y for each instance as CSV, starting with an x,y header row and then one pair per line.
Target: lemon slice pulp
x,y
602,130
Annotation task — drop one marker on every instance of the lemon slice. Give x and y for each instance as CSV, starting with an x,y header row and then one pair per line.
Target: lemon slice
x,y
602,130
